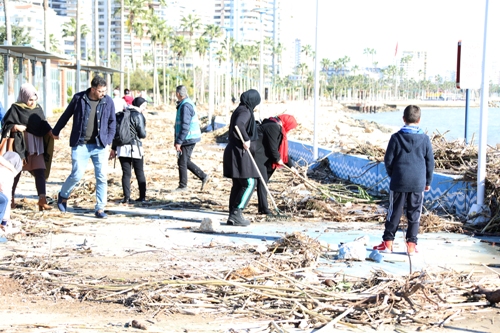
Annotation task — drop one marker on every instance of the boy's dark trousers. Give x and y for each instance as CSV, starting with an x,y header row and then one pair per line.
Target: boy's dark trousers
x,y
397,202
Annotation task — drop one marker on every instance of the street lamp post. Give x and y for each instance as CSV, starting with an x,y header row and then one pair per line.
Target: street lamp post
x,y
316,90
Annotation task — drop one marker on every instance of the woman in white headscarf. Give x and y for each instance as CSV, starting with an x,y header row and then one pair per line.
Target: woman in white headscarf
x,y
25,122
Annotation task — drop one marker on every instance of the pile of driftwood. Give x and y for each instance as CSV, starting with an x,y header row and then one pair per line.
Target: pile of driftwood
x,y
281,284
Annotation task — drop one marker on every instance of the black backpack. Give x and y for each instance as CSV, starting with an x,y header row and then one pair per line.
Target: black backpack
x,y
123,135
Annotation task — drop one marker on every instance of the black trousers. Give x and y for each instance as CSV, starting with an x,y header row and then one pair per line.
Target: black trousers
x,y
266,173
138,164
184,163
241,192
40,183
397,202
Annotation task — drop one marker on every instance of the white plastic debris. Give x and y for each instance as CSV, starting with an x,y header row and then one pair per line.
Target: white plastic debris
x,y
206,225
354,250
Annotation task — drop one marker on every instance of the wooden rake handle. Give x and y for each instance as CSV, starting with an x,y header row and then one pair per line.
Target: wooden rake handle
x,y
258,171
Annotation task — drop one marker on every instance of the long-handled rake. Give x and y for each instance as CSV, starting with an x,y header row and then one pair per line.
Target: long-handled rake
x,y
280,215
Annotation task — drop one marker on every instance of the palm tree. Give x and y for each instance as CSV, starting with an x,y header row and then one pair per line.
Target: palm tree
x,y
157,34
168,32
136,10
191,24
69,30
201,46
180,49
54,44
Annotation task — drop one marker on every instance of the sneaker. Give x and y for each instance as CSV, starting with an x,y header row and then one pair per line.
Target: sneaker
x,y
140,200
61,203
411,248
180,189
100,214
205,181
385,247
8,228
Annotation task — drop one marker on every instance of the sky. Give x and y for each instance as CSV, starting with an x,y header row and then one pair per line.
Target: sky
x,y
347,27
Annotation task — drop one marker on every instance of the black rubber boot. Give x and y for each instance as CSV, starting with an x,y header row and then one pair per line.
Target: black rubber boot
x,y
236,218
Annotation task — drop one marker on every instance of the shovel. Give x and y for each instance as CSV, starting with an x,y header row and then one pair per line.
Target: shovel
x,y
280,215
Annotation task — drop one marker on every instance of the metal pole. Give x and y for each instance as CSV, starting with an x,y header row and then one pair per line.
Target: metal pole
x,y
467,100
211,89
316,89
261,65
483,124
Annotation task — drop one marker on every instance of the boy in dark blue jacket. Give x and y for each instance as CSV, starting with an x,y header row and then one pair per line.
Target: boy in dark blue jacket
x,y
409,162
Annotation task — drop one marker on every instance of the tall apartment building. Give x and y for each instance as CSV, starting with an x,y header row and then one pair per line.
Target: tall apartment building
x,y
249,21
416,68
30,16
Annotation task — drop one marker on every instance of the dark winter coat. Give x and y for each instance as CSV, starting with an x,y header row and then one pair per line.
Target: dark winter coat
x,y
409,162
79,109
137,126
237,162
268,143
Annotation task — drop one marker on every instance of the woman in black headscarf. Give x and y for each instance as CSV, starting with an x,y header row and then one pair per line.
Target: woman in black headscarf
x,y
237,162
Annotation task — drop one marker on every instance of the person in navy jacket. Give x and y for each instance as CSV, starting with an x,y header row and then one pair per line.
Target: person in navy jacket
x,y
409,161
94,127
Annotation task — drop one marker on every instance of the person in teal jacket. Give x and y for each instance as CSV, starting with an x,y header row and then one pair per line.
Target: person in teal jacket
x,y
187,134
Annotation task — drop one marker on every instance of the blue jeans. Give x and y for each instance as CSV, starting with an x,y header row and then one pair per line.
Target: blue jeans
x,y
79,158
4,201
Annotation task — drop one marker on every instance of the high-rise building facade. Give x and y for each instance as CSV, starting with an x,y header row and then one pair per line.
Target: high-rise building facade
x,y
414,64
249,22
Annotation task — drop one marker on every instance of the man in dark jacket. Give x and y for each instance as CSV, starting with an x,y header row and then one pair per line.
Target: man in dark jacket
x,y
187,134
237,161
94,126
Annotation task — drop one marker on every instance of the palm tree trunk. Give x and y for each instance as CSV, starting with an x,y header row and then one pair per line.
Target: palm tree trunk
x,y
202,90
122,44
164,76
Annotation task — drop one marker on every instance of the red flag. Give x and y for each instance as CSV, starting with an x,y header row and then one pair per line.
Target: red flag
x,y
395,53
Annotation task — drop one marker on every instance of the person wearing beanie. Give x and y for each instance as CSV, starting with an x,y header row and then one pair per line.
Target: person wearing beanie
x,y
132,155
26,124
10,166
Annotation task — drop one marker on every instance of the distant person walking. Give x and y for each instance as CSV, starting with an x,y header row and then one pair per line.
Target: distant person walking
x,y
94,126
237,160
119,102
132,155
26,124
128,98
409,162
187,134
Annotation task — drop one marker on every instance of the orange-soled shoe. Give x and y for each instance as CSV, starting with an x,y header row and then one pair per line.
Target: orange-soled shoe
x,y
385,247
411,248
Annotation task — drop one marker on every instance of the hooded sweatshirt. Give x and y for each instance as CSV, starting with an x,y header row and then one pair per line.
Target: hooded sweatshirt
x,y
409,160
